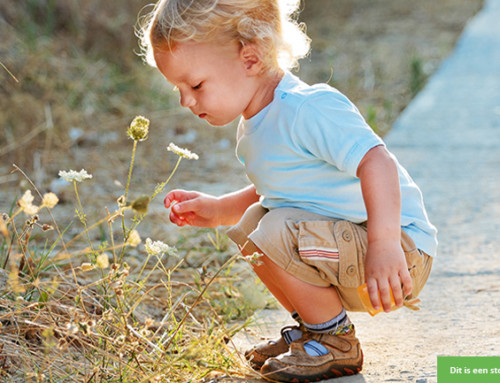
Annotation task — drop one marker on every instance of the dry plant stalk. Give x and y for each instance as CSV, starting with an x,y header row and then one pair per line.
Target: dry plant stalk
x,y
68,314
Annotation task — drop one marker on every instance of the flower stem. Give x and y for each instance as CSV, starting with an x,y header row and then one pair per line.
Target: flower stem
x,y
161,186
130,169
188,312
125,234
81,215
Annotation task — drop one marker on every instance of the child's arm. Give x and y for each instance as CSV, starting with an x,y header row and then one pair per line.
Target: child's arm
x,y
385,266
204,210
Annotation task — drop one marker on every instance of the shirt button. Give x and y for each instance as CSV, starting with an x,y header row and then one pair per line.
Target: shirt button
x,y
351,270
347,236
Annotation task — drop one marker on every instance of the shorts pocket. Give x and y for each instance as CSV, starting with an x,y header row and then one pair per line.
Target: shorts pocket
x,y
335,249
419,264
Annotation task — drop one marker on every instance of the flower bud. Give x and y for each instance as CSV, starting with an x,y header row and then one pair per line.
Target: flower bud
x,y
138,129
140,204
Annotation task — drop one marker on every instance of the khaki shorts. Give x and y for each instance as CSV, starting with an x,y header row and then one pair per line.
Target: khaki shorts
x,y
320,250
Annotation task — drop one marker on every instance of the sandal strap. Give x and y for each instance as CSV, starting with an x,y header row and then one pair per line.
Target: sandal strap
x,y
334,341
291,333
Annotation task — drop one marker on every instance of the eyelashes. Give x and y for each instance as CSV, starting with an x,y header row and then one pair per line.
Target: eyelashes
x,y
196,87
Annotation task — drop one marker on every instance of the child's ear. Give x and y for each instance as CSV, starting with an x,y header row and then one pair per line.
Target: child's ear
x,y
251,58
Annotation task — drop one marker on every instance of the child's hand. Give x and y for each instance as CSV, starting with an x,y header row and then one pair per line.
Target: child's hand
x,y
193,208
386,270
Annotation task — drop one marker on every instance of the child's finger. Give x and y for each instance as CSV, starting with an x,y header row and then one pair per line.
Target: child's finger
x,y
407,283
397,292
385,296
372,287
177,219
178,196
170,199
185,207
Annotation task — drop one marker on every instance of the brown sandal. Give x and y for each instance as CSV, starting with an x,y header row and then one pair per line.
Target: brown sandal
x,y
344,358
261,352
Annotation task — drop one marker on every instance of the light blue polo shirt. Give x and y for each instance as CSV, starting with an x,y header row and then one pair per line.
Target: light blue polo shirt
x,y
303,150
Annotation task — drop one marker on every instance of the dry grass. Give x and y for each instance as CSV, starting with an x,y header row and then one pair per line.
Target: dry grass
x,y
76,71
95,307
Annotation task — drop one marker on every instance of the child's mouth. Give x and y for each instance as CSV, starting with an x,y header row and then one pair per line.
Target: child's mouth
x,y
202,115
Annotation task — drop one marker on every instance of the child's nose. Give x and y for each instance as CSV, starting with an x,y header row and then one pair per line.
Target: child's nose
x,y
187,100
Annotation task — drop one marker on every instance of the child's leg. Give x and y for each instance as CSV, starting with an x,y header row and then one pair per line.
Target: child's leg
x,y
314,304
268,280
328,348
325,344
319,308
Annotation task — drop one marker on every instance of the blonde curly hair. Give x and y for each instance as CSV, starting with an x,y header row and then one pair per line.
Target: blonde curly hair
x,y
270,24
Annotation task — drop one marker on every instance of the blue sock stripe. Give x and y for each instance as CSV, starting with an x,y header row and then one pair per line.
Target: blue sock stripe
x,y
330,325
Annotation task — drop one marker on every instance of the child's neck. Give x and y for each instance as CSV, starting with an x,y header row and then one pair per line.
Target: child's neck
x,y
264,93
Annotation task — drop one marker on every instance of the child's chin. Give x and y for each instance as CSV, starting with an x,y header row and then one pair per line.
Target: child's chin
x,y
217,123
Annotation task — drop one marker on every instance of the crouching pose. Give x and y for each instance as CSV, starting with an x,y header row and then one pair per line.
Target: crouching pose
x,y
328,208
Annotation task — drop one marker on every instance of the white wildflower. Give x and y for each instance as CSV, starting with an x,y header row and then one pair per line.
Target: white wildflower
x,y
49,200
26,203
134,239
27,198
185,153
73,175
157,247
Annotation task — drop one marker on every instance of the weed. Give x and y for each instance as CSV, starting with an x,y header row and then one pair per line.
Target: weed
x,y
85,309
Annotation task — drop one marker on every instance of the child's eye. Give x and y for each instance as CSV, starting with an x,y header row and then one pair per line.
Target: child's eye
x,y
196,87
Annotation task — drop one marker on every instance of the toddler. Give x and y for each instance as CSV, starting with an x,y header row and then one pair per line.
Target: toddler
x,y
328,208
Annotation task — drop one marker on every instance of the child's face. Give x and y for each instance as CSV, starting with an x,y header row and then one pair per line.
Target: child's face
x,y
215,82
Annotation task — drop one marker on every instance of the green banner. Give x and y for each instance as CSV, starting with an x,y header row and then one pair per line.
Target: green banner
x,y
468,369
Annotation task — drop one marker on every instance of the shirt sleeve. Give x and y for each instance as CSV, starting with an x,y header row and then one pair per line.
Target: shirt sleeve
x,y
328,126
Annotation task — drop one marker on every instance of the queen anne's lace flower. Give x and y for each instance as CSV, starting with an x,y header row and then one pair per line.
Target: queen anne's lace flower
x,y
26,203
185,153
139,128
73,175
157,247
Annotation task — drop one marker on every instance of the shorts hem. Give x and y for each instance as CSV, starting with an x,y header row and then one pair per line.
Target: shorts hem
x,y
275,255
